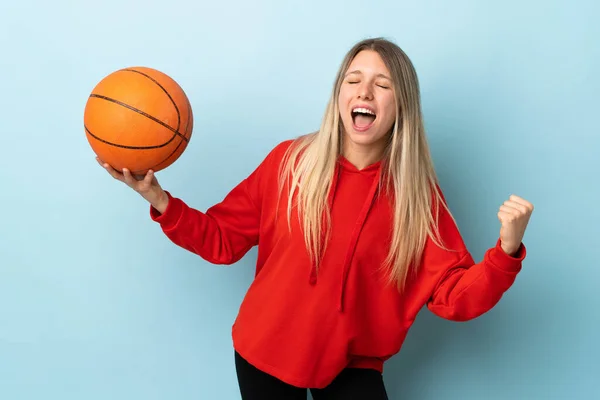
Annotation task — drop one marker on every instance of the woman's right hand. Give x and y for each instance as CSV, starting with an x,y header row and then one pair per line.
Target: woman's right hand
x,y
146,185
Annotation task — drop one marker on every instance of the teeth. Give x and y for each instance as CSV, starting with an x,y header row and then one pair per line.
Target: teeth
x,y
363,111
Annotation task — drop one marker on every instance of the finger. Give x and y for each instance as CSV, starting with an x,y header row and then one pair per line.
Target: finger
x,y
102,163
129,179
506,219
509,210
148,178
507,214
502,216
516,206
522,201
113,172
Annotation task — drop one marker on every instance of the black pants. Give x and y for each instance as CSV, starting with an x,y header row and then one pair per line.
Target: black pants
x,y
350,384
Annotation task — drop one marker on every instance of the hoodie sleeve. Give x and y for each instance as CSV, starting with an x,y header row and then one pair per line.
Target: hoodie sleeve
x,y
227,230
466,289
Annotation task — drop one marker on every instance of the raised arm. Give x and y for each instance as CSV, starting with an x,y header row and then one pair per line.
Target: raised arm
x,y
466,289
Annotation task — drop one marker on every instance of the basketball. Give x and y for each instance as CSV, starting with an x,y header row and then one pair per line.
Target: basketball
x,y
138,118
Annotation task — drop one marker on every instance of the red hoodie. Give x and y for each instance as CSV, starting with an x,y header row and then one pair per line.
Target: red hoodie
x,y
304,326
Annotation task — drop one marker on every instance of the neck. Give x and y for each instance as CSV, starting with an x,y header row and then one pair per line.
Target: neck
x,y
361,156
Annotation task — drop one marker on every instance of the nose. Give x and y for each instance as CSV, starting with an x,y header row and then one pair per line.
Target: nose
x,y
365,92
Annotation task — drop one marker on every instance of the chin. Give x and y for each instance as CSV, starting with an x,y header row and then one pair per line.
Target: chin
x,y
366,138
362,140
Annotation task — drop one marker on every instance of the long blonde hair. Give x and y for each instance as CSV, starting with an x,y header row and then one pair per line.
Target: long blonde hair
x,y
408,173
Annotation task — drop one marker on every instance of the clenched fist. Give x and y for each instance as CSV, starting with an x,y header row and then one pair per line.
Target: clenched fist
x,y
514,216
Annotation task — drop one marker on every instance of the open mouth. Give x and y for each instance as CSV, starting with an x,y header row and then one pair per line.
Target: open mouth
x,y
363,118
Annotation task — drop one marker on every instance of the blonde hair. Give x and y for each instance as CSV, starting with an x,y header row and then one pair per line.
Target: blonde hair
x,y
408,173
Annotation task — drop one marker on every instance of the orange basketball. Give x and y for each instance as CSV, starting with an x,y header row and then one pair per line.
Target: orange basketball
x,y
138,118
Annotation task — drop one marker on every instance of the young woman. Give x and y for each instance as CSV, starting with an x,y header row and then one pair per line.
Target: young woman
x,y
353,236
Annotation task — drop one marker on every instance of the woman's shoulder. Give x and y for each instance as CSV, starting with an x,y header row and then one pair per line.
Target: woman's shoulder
x,y
279,150
282,149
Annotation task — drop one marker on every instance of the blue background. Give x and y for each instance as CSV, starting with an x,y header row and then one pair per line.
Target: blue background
x,y
96,303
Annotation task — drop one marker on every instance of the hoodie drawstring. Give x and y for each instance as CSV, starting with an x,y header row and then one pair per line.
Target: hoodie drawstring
x,y
354,238
355,233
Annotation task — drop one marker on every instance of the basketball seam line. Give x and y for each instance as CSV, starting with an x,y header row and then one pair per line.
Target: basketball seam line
x,y
163,89
185,132
158,146
176,132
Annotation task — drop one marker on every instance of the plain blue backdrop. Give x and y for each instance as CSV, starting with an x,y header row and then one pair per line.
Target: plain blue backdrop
x,y
96,303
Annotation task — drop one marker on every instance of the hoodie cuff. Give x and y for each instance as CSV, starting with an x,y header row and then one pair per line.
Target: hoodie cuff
x,y
172,214
505,262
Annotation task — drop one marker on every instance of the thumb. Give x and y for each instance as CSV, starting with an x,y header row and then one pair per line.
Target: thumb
x,y
148,178
146,183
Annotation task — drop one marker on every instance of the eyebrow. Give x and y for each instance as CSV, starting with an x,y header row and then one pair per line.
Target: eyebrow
x,y
360,73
